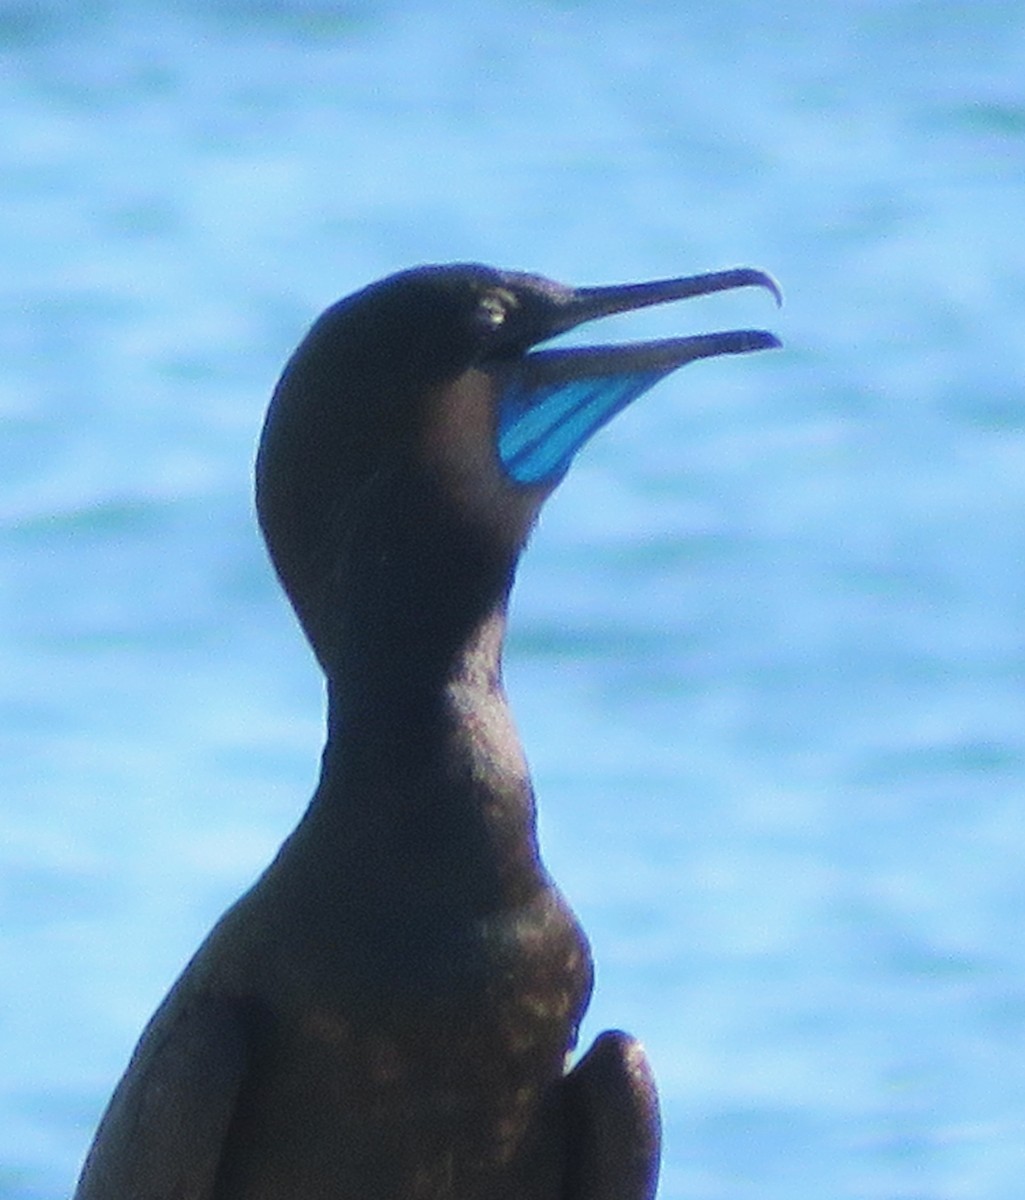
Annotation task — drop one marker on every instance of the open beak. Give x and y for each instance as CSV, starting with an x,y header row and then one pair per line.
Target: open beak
x,y
551,402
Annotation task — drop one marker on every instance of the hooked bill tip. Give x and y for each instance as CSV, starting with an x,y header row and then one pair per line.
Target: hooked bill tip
x,y
752,277
771,284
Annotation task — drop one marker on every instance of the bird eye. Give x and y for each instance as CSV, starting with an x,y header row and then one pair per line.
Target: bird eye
x,y
493,308
491,311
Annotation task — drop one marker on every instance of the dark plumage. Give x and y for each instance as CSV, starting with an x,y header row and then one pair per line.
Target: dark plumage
x,y
387,1013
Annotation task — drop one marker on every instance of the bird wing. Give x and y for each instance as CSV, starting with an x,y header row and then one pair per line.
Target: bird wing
x,y
162,1135
612,1123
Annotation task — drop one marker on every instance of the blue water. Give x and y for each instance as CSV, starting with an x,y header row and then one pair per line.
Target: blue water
x,y
768,654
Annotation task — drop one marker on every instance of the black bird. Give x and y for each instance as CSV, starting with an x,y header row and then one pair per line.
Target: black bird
x,y
386,1015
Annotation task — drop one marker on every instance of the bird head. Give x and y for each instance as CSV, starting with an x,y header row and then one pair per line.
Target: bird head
x,y
417,429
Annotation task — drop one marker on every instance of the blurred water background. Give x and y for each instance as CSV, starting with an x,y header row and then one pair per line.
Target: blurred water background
x,y
767,652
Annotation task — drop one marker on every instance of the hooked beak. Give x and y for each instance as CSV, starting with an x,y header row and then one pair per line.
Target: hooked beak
x,y
551,402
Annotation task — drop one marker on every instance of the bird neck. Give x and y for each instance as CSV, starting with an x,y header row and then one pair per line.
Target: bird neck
x,y
430,778
405,706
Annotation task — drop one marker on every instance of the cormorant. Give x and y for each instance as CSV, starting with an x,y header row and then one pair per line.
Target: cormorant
x,y
387,1013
